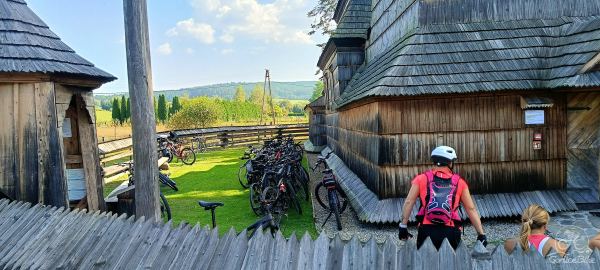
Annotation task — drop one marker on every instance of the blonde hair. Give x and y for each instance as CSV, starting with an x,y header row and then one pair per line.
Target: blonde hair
x,y
534,217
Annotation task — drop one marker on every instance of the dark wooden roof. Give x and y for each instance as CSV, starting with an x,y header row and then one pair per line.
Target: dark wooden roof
x,y
319,102
27,45
478,57
355,20
39,237
370,209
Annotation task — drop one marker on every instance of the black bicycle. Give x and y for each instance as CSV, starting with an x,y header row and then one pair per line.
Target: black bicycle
x,y
264,223
336,197
165,209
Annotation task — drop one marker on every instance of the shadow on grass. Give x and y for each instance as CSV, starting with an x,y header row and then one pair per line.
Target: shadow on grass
x,y
214,178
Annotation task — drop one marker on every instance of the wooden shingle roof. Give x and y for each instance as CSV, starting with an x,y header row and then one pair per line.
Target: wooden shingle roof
x,y
28,45
355,21
486,56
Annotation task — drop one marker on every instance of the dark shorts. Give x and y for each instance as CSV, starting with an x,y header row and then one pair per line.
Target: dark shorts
x,y
437,233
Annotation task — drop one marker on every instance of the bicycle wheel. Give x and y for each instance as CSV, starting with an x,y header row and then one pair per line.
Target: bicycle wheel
x,y
318,195
300,187
334,205
342,198
243,175
166,180
202,147
188,156
293,199
255,201
165,210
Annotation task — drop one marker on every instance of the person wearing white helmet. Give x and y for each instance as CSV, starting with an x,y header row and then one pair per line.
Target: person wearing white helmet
x,y
440,192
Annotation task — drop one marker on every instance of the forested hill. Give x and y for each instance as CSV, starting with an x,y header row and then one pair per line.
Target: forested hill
x,y
281,90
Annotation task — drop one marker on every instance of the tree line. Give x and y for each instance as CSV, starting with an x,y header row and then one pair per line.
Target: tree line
x,y
184,112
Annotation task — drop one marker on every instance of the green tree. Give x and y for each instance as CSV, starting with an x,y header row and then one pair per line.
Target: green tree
x,y
285,105
256,96
297,109
322,15
116,111
162,108
240,95
318,91
196,113
175,106
128,109
123,109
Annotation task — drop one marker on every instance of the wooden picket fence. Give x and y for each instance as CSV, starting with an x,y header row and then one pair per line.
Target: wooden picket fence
x,y
215,138
41,237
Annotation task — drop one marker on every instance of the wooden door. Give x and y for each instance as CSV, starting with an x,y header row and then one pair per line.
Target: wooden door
x,y
583,142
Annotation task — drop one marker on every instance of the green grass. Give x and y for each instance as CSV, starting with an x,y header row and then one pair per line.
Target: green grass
x,y
214,178
103,116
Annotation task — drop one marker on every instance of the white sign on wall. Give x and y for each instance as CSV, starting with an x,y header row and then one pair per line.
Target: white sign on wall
x,y
534,117
66,128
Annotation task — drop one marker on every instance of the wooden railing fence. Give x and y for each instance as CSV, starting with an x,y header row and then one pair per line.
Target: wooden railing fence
x,y
216,137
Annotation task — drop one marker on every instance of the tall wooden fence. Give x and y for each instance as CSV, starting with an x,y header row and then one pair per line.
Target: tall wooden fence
x,y
215,138
39,237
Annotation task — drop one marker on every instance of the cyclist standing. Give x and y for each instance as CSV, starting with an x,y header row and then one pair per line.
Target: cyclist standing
x,y
440,192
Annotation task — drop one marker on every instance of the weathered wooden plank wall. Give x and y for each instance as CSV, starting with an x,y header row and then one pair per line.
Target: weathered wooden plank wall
x,y
30,156
41,237
393,139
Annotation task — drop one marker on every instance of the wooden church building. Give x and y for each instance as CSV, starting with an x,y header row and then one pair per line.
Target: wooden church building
x,y
512,85
48,145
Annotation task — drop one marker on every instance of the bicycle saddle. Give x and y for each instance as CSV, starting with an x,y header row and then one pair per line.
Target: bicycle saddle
x,y
210,205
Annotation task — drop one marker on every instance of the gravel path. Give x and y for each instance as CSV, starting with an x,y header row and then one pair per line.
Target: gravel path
x,y
496,230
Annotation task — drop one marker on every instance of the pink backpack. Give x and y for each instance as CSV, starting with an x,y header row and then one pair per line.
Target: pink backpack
x,y
440,198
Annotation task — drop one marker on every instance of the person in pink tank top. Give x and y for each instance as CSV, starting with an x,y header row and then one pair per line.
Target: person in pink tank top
x,y
534,222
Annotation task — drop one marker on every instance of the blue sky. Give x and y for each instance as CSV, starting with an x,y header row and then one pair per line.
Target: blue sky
x,y
193,42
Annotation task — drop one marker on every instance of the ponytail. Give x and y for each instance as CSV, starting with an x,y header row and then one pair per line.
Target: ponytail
x,y
525,232
534,217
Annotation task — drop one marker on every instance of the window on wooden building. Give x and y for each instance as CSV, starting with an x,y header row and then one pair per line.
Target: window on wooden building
x,y
534,109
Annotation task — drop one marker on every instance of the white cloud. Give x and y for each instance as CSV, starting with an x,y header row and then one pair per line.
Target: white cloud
x,y
189,51
165,49
201,31
227,38
281,21
226,51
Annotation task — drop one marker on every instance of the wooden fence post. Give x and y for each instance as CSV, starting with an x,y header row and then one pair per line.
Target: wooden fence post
x,y
142,109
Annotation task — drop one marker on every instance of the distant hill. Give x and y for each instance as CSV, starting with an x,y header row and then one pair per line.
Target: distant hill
x,y
281,90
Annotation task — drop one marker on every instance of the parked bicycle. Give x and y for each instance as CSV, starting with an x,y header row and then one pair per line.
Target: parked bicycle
x,y
169,146
266,222
199,144
336,197
165,209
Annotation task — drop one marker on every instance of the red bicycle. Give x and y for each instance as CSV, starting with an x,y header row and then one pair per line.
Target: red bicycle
x,y
169,148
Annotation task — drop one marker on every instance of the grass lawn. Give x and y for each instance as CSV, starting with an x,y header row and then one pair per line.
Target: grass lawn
x,y
214,178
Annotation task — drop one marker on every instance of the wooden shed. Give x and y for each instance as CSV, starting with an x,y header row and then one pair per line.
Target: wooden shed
x,y
513,85
48,137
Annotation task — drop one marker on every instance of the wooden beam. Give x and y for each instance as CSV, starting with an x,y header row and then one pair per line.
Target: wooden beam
x,y
143,123
90,158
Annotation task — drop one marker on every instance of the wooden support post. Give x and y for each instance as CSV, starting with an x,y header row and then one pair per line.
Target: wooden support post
x,y
142,109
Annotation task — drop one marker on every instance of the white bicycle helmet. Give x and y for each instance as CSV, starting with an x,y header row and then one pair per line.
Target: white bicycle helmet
x,y
442,155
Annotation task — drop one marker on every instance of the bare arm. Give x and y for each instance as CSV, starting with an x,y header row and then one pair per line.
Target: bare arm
x,y
469,205
559,246
409,203
595,242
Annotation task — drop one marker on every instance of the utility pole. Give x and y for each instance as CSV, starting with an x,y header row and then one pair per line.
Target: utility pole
x,y
139,73
267,83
